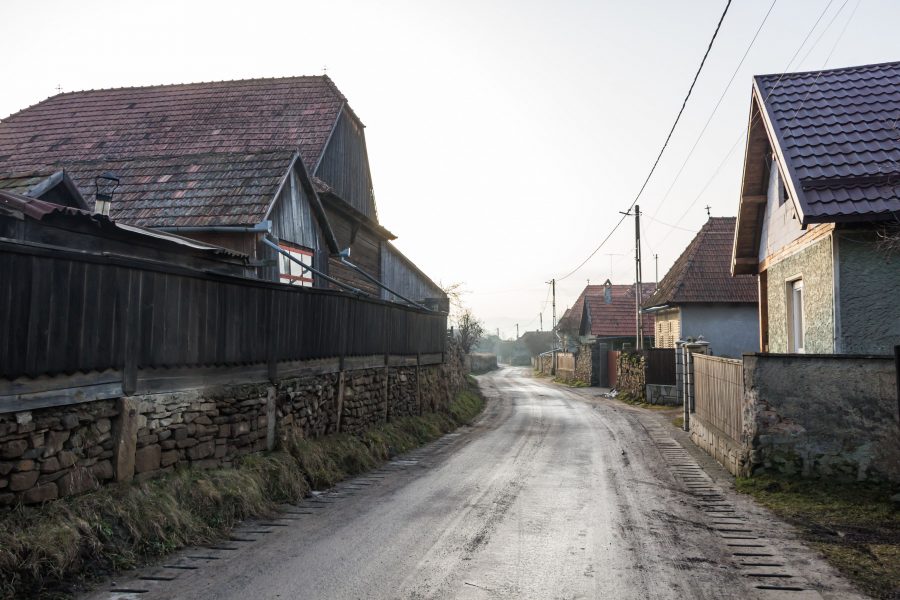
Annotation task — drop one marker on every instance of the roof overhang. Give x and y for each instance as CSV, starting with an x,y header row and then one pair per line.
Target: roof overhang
x,y
334,202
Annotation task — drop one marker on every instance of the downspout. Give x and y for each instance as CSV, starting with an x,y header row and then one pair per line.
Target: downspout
x,y
346,262
287,254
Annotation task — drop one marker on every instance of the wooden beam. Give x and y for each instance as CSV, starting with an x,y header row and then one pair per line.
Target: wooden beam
x,y
755,199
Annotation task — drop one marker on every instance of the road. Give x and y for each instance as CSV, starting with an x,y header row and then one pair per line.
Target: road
x,y
552,493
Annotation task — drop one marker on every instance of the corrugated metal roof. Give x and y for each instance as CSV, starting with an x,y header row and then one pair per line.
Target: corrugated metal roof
x,y
838,131
703,271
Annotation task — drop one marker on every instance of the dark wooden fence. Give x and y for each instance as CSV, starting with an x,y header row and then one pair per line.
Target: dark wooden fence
x,y
64,312
659,366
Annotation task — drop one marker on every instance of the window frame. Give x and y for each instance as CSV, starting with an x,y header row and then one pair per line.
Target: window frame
x,y
300,252
796,315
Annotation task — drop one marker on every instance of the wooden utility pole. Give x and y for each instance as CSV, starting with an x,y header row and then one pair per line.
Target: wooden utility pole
x,y
517,331
639,342
656,270
553,288
541,319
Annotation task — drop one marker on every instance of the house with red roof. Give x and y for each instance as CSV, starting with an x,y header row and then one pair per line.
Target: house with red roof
x,y
699,297
819,208
231,163
607,313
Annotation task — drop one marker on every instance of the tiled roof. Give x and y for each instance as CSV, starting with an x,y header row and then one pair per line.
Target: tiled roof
x,y
839,131
21,183
703,271
617,319
191,154
191,190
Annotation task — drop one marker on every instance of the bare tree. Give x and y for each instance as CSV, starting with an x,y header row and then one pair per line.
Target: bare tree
x,y
470,330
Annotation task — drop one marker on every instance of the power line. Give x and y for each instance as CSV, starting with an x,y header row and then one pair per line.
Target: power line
x,y
757,116
665,144
715,108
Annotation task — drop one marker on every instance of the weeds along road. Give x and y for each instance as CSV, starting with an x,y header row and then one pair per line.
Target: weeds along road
x,y
551,494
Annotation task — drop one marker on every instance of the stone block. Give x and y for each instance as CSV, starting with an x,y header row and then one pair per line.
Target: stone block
x,y
41,493
13,449
54,442
186,443
70,421
103,470
25,465
49,465
6,467
23,481
66,458
169,457
201,451
23,418
224,431
147,459
125,438
168,444
77,481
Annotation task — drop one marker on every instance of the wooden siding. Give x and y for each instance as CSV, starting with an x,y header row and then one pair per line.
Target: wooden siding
x,y
365,252
292,222
67,311
345,165
668,328
718,393
402,276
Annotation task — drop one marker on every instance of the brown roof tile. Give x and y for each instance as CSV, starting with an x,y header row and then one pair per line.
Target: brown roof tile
x,y
703,271
616,319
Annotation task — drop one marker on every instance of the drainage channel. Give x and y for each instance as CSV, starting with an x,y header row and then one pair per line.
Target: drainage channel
x,y
255,530
755,558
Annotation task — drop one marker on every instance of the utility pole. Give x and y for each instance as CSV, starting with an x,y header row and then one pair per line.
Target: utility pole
x,y
552,283
639,318
637,292
517,331
541,319
656,270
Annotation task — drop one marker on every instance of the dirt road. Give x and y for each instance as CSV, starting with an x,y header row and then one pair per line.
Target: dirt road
x,y
553,493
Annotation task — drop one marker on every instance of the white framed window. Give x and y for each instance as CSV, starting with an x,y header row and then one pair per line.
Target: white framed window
x,y
289,271
796,317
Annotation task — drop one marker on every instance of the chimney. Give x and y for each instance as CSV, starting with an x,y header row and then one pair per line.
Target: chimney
x,y
607,292
105,185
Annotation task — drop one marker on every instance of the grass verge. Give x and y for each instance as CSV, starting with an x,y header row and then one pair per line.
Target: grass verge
x,y
50,551
855,526
574,383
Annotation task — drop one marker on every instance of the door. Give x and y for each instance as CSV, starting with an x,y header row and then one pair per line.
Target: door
x,y
795,314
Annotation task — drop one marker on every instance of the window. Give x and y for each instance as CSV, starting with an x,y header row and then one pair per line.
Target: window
x,y
795,316
292,273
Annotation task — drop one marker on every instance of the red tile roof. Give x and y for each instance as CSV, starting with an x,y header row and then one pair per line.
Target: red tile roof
x,y
702,273
616,319
191,154
838,132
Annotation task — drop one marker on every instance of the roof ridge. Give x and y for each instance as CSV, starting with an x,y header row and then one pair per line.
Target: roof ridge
x,y
832,70
323,77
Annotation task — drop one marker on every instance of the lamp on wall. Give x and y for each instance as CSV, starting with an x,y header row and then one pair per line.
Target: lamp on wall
x,y
105,184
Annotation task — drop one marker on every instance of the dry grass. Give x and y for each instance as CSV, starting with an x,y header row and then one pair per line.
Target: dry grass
x,y
854,525
50,550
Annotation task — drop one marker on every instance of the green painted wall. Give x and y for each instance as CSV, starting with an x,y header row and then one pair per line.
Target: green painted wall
x,y
814,265
869,295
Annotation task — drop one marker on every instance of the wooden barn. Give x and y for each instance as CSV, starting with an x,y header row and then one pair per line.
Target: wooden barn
x,y
228,163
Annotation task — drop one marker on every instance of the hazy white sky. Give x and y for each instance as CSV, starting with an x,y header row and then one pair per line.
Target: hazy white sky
x,y
504,137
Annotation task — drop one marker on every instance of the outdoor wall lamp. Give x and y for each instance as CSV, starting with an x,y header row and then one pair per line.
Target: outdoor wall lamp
x,y
105,184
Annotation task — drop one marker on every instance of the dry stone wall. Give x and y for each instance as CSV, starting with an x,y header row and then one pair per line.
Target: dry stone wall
x,y
55,452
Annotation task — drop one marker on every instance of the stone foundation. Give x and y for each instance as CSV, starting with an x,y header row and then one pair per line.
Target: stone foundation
x,y
666,395
720,446
54,452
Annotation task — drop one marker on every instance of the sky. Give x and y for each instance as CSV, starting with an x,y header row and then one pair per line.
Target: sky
x,y
504,136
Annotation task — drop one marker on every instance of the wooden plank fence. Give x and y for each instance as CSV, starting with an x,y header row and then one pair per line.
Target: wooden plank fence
x,y
67,312
718,393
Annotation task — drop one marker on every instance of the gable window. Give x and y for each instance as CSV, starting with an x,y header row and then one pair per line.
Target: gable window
x,y
289,271
796,321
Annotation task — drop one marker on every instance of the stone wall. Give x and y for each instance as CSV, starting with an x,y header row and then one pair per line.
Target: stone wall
x,y
54,452
46,454
823,416
631,378
584,364
720,446
666,395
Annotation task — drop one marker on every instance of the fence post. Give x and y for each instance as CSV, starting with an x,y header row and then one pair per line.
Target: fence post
x,y
897,371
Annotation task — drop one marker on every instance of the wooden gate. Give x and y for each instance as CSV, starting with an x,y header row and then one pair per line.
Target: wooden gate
x,y
612,367
659,366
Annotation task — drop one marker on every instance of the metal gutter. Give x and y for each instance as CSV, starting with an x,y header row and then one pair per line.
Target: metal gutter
x,y
261,227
